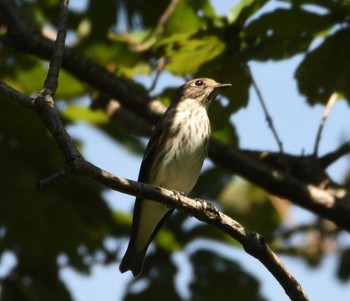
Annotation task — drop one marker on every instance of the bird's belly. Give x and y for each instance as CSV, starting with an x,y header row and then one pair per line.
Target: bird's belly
x,y
182,165
179,173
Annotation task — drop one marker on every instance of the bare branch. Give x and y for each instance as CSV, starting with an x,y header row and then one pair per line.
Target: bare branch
x,y
42,184
160,67
46,109
333,156
16,97
167,13
325,114
51,81
266,112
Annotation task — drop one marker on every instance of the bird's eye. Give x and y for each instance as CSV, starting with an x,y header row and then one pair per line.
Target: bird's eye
x,y
199,83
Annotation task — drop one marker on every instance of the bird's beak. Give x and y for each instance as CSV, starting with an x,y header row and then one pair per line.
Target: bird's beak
x,y
222,86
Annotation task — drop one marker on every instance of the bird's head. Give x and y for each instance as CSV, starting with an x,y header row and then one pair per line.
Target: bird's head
x,y
201,90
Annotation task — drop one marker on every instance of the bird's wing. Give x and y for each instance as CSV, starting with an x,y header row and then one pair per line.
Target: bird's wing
x,y
133,259
153,147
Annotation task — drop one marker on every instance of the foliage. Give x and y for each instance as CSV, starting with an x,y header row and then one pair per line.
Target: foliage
x,y
130,38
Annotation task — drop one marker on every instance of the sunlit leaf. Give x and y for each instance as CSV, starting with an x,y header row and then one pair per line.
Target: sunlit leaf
x,y
69,86
184,19
83,113
191,54
244,9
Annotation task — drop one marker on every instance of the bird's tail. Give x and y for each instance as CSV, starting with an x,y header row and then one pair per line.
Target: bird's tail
x,y
132,261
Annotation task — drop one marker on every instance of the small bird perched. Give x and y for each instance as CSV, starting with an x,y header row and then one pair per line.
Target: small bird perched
x,y
173,159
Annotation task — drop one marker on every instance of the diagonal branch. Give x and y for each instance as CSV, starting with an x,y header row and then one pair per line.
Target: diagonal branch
x,y
325,114
333,156
51,82
264,107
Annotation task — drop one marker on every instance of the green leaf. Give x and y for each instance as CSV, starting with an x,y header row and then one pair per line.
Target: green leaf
x,y
283,33
118,56
138,41
69,86
326,69
191,54
167,240
243,10
248,203
75,113
184,19
27,70
213,279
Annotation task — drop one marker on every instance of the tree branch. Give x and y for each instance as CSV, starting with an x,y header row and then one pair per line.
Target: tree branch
x,y
16,97
51,82
325,114
264,107
333,156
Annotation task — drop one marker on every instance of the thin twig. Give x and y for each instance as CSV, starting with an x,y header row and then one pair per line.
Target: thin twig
x,y
160,67
333,156
266,112
16,97
167,13
51,81
325,114
57,177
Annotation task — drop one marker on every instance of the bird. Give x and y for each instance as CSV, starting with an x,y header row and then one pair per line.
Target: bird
x,y
173,160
